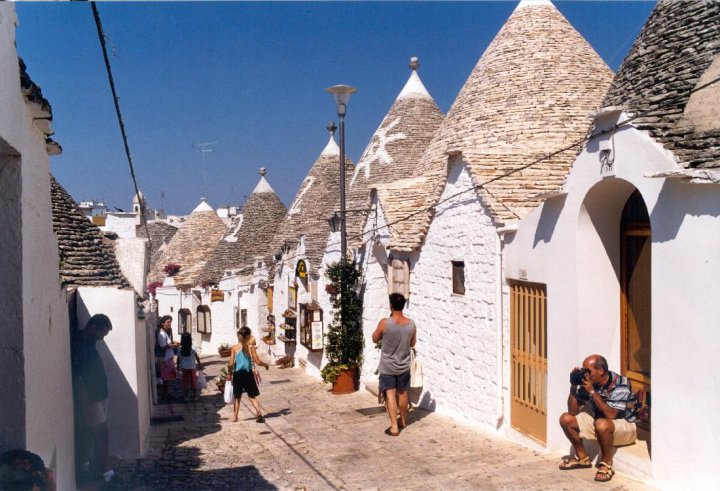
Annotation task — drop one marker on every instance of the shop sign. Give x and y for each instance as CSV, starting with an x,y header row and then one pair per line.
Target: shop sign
x,y
217,296
301,269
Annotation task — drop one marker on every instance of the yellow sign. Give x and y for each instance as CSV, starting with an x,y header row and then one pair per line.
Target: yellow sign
x,y
301,269
217,296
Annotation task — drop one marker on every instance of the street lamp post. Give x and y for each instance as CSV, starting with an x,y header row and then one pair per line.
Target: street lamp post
x,y
341,94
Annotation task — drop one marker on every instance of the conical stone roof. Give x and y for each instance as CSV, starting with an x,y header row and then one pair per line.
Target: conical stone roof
x,y
394,150
316,200
86,258
660,80
249,234
191,247
529,95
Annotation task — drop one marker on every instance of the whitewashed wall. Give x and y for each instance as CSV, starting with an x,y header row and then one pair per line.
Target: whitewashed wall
x,y
133,259
571,244
457,333
124,354
33,305
123,224
374,260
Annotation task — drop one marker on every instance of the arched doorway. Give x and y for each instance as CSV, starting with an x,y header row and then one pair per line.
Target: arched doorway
x,y
635,296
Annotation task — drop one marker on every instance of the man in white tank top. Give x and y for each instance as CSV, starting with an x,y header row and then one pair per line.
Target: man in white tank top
x,y
398,335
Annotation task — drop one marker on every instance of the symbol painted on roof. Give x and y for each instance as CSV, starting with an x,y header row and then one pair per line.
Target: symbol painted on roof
x,y
233,236
306,185
376,151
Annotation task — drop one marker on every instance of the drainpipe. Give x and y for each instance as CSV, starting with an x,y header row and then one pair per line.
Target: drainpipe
x,y
499,319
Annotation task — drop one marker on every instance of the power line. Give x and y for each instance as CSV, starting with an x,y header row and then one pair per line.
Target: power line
x,y
101,35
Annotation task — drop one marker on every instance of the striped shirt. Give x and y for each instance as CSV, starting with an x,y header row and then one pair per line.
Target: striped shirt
x,y
618,394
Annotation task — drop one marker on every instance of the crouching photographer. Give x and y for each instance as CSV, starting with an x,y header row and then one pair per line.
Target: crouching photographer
x,y
601,406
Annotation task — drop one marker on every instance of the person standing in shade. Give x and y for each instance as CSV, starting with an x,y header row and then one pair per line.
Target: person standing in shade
x,y
92,394
240,370
165,355
398,334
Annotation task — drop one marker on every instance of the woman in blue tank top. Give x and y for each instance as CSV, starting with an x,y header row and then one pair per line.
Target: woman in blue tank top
x,y
240,370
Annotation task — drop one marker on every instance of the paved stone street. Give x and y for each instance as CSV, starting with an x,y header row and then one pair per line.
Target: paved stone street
x,y
314,440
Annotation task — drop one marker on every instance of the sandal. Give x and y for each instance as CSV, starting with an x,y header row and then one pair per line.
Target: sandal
x,y
604,475
575,463
390,433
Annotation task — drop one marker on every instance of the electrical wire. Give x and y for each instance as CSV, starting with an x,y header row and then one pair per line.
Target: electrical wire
x,y
116,100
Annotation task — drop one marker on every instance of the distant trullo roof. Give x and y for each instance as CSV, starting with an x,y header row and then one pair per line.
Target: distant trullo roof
x,y
666,78
191,246
160,235
529,95
249,234
315,201
86,258
394,149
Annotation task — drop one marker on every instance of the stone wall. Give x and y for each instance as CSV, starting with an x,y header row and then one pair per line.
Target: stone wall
x,y
457,333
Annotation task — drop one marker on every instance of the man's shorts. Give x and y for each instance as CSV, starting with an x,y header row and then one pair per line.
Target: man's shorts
x,y
625,433
399,382
96,413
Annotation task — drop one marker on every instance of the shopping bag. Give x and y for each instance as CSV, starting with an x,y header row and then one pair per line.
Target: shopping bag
x,y
416,373
229,396
201,382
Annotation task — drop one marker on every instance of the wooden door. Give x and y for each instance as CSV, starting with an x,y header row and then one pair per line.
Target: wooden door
x,y
528,341
635,298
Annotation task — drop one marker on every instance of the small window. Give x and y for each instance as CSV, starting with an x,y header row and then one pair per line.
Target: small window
x,y
458,277
184,321
204,322
243,318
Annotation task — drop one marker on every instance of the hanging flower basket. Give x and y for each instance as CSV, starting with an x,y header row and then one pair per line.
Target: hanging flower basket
x,y
152,287
171,269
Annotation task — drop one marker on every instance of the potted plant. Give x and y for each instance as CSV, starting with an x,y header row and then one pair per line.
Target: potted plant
x,y
221,379
286,361
344,343
224,350
152,287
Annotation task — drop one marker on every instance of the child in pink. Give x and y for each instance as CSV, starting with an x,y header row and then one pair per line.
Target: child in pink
x,y
189,363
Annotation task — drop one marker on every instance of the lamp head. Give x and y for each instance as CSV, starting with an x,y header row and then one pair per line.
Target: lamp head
x,y
341,94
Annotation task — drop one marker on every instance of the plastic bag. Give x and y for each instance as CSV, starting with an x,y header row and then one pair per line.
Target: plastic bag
x,y
229,396
416,373
201,380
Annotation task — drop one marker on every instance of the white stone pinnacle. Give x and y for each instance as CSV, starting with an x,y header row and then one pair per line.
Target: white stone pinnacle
x,y
414,88
533,3
263,186
331,148
203,206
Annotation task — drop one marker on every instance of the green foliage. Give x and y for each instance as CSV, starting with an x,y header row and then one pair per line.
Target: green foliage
x,y
344,349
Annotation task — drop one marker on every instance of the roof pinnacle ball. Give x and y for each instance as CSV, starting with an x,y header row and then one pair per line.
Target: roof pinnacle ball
x,y
263,171
414,63
331,127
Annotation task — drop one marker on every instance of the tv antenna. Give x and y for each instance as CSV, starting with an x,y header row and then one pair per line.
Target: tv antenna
x,y
203,149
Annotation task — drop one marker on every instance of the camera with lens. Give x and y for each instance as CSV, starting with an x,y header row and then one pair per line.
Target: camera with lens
x,y
578,376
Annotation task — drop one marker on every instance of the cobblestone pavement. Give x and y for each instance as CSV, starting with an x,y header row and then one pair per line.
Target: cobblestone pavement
x,y
314,440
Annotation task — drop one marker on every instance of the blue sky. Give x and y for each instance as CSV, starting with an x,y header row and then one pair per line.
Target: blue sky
x,y
251,76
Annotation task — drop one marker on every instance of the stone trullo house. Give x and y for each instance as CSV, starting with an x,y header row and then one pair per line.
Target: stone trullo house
x,y
392,154
34,306
237,271
528,97
95,284
180,295
627,249
301,244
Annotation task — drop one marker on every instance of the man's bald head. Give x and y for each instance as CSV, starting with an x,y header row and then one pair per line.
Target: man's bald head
x,y
597,362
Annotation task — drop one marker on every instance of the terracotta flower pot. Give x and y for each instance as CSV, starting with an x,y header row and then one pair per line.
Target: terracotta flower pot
x,y
224,353
346,382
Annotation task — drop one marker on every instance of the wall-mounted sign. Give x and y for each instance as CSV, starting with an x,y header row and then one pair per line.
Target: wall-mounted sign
x,y
217,296
301,269
316,336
